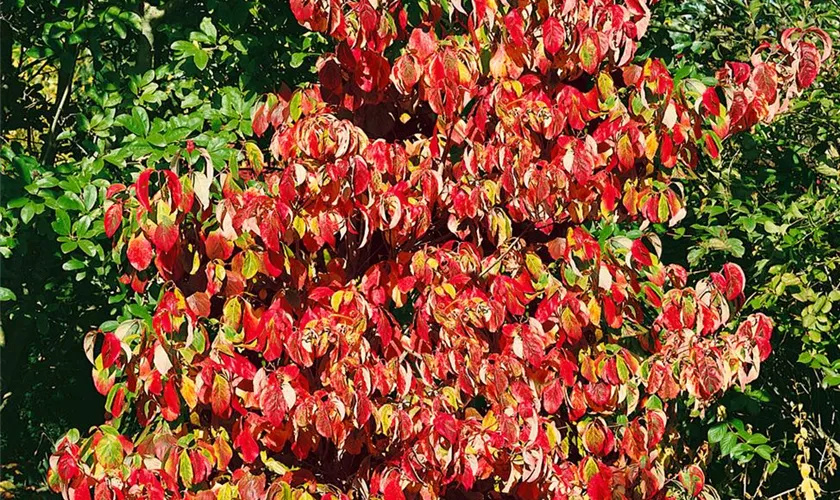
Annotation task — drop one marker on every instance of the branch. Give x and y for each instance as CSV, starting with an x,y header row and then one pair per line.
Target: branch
x,y
65,85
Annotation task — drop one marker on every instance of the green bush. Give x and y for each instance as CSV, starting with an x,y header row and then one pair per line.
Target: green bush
x,y
771,204
92,93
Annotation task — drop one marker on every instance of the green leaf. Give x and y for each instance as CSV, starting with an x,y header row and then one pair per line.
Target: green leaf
x,y
717,433
208,28
727,443
70,202
827,171
831,378
297,59
88,247
90,197
740,450
24,166
294,106
73,265
251,265
73,435
735,247
200,59
109,452
27,212
653,403
183,48
764,452
185,469
18,202
47,182
757,439
141,118
61,225
6,294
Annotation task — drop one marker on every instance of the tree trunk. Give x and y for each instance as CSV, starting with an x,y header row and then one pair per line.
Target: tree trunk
x,y
7,71
66,73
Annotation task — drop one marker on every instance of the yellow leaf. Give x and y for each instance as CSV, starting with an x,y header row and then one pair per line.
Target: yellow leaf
x,y
336,300
385,414
255,156
451,396
651,145
553,434
489,423
300,226
594,311
226,492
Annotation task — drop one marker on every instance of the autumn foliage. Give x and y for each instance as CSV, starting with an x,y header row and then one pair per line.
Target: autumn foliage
x,y
441,277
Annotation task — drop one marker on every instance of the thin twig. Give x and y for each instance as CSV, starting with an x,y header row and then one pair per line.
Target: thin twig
x,y
501,257
780,495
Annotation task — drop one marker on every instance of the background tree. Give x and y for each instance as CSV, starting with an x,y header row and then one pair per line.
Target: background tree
x,y
90,90
771,204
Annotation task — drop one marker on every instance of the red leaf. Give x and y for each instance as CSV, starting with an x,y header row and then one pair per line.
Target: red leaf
x,y
515,27
735,280
272,403
553,395
809,65
554,35
259,123
392,489
372,71
626,155
711,102
405,73
693,479
711,145
447,426
423,44
114,189
139,252
111,348
173,183
248,447
113,219
172,402
217,246
590,52
640,253
80,491
220,397
598,439
118,403
67,467
598,487
141,188
251,487
165,236
199,304
765,82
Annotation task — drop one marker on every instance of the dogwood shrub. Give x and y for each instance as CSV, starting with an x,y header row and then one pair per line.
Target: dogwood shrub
x,y
441,280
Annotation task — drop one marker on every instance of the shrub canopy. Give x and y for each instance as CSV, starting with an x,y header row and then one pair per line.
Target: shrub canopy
x,y
440,278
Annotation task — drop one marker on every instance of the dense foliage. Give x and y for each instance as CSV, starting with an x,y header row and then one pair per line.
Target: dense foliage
x,y
415,283
772,205
136,93
410,297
